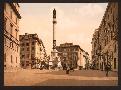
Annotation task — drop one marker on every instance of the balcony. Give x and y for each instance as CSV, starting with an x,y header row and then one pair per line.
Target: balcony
x,y
10,37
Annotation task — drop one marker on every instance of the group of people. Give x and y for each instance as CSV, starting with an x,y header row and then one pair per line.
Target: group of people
x,y
44,65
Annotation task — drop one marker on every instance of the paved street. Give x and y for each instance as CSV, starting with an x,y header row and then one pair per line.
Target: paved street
x,y
59,78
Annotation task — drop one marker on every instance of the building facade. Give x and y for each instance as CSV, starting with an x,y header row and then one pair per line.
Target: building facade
x,y
105,42
85,59
72,53
95,45
32,51
11,36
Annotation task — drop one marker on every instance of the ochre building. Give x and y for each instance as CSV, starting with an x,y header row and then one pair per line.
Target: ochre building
x,y
32,51
105,42
73,53
11,36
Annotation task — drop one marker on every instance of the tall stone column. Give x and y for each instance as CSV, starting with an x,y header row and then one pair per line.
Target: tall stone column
x,y
54,25
54,53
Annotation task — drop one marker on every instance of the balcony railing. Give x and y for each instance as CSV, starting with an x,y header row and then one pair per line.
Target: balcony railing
x,y
10,37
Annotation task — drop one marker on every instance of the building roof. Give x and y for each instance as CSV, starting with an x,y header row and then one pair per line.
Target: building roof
x,y
15,10
34,36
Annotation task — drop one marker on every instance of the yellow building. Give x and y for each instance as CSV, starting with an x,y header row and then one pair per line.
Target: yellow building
x,y
11,36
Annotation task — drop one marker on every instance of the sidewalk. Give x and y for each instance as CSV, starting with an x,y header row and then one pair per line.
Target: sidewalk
x,y
12,70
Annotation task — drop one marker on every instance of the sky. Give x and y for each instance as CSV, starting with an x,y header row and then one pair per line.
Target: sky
x,y
76,22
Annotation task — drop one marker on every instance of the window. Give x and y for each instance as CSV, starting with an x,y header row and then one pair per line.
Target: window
x,y
16,33
17,48
11,14
23,56
28,49
27,55
12,44
27,63
100,47
27,44
32,48
22,49
11,59
32,43
115,48
16,59
32,55
5,57
40,49
22,44
4,65
114,63
16,20
11,29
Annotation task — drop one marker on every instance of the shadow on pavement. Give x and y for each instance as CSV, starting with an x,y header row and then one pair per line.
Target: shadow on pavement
x,y
90,73
72,82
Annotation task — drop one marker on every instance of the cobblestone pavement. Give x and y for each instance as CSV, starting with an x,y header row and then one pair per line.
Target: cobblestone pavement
x,y
38,77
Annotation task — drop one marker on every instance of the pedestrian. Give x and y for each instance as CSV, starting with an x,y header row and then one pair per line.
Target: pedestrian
x,y
107,70
67,67
71,68
67,70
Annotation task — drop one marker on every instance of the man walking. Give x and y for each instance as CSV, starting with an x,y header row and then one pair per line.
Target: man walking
x,y
67,70
67,67
107,68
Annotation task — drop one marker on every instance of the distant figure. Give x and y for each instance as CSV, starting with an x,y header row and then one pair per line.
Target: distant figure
x,y
47,66
67,70
59,65
67,67
107,68
64,67
71,67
